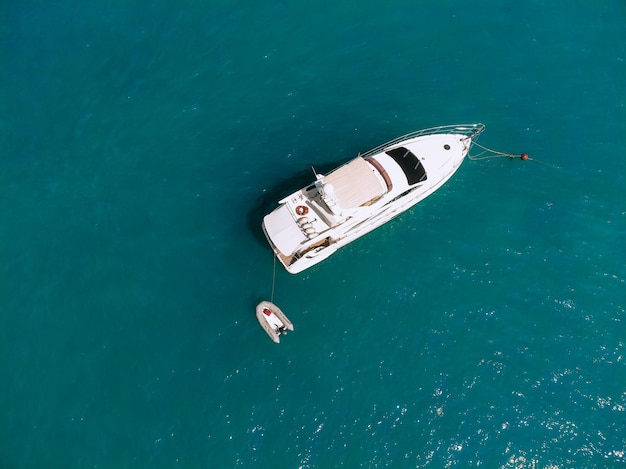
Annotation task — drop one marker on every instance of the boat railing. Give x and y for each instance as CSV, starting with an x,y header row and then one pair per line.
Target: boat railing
x,y
469,130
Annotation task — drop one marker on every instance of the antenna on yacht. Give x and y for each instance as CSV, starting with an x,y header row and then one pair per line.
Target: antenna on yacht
x,y
317,175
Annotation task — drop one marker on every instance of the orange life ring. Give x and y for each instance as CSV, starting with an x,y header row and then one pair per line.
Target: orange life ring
x,y
302,210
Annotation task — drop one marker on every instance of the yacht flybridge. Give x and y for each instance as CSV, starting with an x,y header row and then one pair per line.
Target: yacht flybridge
x,y
364,193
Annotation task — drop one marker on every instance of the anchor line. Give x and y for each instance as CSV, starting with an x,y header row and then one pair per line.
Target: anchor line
x,y
273,278
490,153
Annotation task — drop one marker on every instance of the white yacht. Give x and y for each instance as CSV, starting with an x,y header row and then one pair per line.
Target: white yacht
x,y
364,193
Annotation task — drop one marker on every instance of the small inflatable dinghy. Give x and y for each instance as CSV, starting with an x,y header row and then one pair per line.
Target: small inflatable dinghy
x,y
273,320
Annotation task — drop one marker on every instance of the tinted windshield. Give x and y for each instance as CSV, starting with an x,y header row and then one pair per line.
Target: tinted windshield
x,y
410,164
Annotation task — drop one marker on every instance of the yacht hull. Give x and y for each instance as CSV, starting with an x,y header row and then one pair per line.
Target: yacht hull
x,y
311,224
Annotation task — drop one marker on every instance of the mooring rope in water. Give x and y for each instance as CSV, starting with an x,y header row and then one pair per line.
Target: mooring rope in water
x,y
494,154
273,279
489,153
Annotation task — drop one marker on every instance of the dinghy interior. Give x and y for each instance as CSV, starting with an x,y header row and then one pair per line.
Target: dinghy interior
x,y
273,320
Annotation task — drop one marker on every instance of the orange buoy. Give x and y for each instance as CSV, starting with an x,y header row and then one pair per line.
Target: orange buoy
x,y
302,210
524,156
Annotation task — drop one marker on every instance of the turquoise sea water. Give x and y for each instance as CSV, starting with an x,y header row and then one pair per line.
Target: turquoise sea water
x,y
141,145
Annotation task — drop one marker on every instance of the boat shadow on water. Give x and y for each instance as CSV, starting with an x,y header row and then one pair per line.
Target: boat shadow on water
x,y
268,197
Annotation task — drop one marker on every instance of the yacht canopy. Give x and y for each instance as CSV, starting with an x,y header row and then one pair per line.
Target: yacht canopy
x,y
284,233
356,183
